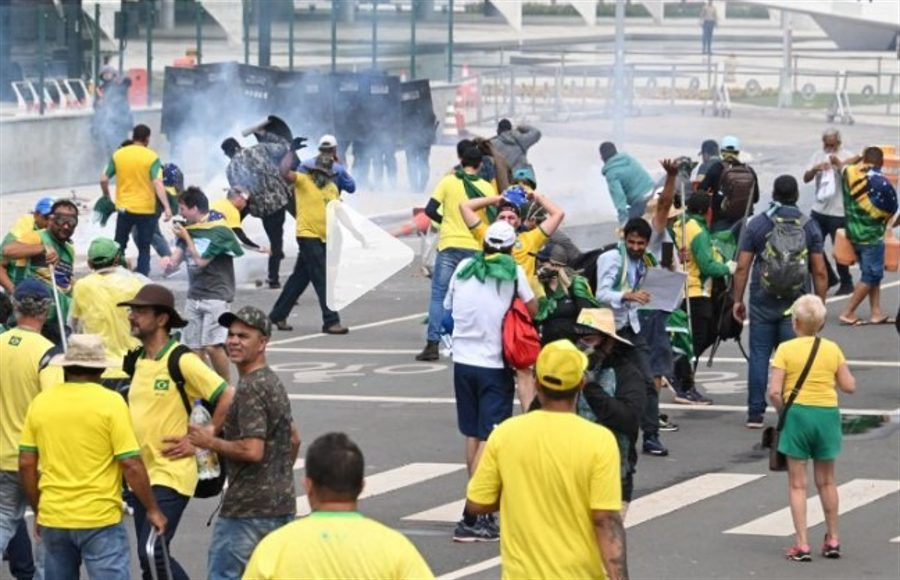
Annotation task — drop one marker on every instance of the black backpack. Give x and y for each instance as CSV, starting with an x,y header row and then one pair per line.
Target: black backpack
x,y
738,187
783,262
205,487
587,264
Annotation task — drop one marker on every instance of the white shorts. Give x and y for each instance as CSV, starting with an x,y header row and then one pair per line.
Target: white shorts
x,y
203,328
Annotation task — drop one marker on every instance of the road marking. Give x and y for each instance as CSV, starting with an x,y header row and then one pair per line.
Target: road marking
x,y
356,327
683,494
847,296
853,494
643,509
343,350
448,513
299,464
473,569
394,479
451,400
896,540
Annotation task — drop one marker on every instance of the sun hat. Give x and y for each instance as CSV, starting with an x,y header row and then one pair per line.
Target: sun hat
x,y
160,297
85,350
560,365
500,235
251,316
598,320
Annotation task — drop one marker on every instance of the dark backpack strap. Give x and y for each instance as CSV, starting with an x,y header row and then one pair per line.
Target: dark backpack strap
x,y
129,361
799,383
174,367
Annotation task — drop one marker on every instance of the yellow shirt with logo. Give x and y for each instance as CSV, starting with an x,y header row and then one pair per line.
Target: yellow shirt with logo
x,y
818,388
311,202
450,193
157,412
695,288
527,246
24,373
336,545
94,300
80,432
22,226
135,168
231,214
549,470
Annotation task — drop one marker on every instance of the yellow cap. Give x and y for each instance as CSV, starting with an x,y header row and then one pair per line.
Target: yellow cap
x,y
560,365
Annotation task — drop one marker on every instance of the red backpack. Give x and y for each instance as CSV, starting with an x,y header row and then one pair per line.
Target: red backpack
x,y
521,343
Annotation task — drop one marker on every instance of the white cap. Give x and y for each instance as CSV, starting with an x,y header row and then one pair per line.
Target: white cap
x,y
327,142
500,235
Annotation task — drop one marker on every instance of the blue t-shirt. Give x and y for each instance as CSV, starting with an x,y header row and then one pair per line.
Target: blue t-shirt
x,y
763,306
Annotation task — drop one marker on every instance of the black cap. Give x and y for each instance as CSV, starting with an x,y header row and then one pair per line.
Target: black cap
x,y
709,147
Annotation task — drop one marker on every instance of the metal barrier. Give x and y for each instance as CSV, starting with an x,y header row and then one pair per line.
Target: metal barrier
x,y
59,94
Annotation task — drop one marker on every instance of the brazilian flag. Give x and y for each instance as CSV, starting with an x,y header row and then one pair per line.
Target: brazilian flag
x,y
214,238
680,334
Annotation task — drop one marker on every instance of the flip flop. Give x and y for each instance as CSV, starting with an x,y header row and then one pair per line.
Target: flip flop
x,y
854,322
885,320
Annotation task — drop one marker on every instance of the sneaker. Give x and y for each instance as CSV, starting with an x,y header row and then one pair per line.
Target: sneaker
x,y
490,521
831,548
430,352
682,397
273,284
665,424
283,325
799,553
844,290
480,532
652,446
755,422
697,398
336,328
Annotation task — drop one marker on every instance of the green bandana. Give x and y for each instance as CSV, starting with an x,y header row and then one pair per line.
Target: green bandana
x,y
580,288
473,192
496,266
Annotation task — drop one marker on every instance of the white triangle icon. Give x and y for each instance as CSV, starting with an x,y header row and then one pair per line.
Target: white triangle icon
x,y
359,255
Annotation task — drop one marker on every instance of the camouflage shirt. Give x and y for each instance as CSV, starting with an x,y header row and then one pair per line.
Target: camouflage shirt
x,y
256,170
260,410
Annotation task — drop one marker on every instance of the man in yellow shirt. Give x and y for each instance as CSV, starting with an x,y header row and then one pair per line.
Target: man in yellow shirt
x,y
77,497
456,241
335,540
232,209
552,470
139,185
94,309
160,404
24,372
11,271
314,189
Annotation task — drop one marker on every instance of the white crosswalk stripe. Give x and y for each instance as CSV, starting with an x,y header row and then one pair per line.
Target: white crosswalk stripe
x,y
896,540
394,479
853,494
449,512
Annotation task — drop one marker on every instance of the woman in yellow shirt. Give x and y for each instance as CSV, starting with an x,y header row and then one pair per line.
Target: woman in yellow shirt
x,y
812,426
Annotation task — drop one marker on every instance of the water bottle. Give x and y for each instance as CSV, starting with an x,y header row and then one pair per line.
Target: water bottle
x,y
207,461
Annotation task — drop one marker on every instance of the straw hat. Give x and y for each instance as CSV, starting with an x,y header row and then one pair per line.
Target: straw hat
x,y
598,320
85,350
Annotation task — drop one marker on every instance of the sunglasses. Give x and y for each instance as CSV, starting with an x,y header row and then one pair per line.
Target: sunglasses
x,y
65,220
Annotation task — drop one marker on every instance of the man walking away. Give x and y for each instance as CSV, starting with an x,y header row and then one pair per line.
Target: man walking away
x,y
871,203
733,185
335,540
455,241
784,247
551,470
165,376
709,156
708,21
825,168
139,184
259,443
209,247
78,496
24,372
513,144
629,183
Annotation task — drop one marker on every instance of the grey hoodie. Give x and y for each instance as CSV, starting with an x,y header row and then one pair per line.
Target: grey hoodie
x,y
514,145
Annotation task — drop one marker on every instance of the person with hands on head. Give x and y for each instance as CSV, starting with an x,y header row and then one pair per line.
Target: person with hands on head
x,y
259,443
76,497
11,271
159,413
233,208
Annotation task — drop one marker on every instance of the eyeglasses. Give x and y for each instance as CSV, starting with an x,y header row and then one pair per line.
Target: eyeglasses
x,y
66,220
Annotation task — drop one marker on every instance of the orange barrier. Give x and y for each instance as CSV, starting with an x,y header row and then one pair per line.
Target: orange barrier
x,y
891,252
137,93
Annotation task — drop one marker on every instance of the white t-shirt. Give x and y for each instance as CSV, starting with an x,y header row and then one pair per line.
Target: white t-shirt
x,y
478,310
829,198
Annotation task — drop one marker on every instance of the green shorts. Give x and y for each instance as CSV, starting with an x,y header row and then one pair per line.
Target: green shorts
x,y
811,433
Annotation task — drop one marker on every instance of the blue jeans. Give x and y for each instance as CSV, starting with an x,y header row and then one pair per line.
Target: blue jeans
x,y
103,551
21,560
765,336
144,224
444,265
158,242
309,267
708,26
233,541
172,505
